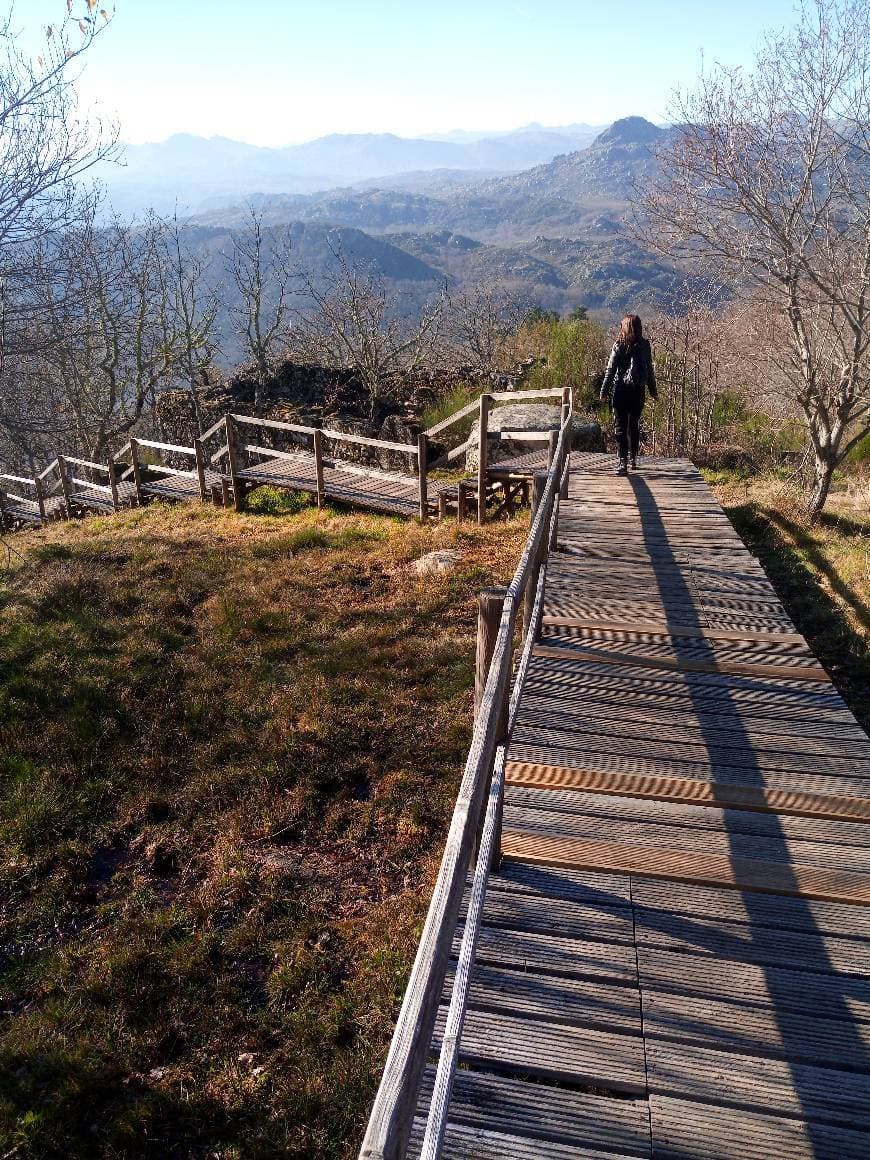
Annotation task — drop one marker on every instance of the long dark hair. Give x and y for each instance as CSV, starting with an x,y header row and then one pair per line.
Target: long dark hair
x,y
630,331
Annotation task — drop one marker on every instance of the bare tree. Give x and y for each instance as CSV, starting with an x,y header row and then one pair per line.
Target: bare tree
x,y
261,276
767,181
481,328
352,323
104,336
192,312
45,143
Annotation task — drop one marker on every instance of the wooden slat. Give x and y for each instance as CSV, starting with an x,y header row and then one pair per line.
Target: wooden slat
x,y
724,1134
697,867
540,1113
761,1085
578,1055
657,629
731,668
741,797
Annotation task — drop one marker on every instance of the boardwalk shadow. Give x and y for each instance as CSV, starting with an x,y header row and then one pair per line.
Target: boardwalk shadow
x,y
673,584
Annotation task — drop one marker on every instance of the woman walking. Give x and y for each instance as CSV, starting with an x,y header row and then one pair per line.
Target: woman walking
x,y
629,373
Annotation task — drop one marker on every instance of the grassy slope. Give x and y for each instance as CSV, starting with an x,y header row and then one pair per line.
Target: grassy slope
x,y
821,572
228,749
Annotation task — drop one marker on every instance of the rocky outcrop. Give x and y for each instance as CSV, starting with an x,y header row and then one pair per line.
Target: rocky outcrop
x,y
586,432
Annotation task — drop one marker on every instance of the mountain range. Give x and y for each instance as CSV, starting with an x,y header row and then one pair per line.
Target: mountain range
x,y
196,173
554,234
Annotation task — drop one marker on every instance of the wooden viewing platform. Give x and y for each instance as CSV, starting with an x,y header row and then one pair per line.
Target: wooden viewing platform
x,y
662,948
253,451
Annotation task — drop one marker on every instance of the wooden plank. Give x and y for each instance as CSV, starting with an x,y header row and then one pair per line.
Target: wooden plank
x,y
543,1113
761,1085
577,1055
556,999
698,867
669,833
769,983
579,958
693,819
682,1128
756,910
465,1141
657,629
755,1031
731,668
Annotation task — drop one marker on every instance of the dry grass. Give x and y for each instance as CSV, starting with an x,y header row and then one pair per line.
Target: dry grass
x,y
230,746
821,571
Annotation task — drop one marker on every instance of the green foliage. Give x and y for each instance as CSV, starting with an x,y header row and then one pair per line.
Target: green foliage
x,y
859,456
456,398
273,501
578,314
537,314
575,354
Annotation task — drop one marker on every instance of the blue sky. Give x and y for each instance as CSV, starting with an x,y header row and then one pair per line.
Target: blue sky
x,y
275,73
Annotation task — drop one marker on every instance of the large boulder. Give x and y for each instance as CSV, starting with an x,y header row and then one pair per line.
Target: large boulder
x,y
513,417
586,433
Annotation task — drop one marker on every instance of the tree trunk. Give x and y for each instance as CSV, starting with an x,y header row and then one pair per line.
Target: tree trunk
x,y
824,465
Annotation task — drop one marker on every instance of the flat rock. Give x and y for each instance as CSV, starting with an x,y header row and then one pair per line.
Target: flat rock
x,y
442,560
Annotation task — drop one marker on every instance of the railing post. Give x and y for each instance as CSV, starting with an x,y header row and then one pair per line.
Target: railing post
x,y
482,448
318,468
489,609
200,467
232,457
422,470
442,506
551,448
461,501
539,482
40,497
113,484
137,471
566,405
64,485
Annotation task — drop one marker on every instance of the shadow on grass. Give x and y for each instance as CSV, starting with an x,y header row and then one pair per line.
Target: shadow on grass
x,y
792,559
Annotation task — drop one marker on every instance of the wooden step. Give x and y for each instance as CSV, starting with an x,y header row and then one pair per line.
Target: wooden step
x,y
666,630
685,866
731,668
682,790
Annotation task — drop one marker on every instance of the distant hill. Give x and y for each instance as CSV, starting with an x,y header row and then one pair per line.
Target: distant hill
x,y
197,173
552,234
561,197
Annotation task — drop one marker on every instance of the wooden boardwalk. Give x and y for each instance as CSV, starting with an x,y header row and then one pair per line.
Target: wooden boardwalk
x,y
673,958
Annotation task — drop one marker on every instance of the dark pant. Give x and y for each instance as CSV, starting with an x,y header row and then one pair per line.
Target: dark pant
x,y
627,430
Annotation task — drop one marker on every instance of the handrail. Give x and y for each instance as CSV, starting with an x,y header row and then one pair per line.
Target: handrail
x,y
395,1104
436,1124
53,466
214,427
29,482
367,441
87,463
174,447
544,393
451,419
86,483
253,421
498,396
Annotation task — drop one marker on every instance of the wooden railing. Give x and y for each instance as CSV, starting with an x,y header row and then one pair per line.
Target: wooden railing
x,y
419,452
128,462
397,1098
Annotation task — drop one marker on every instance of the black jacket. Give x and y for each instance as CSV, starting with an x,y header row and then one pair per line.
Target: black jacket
x,y
621,393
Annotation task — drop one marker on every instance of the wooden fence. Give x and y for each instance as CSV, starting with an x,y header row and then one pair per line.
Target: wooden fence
x,y
475,831
148,468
